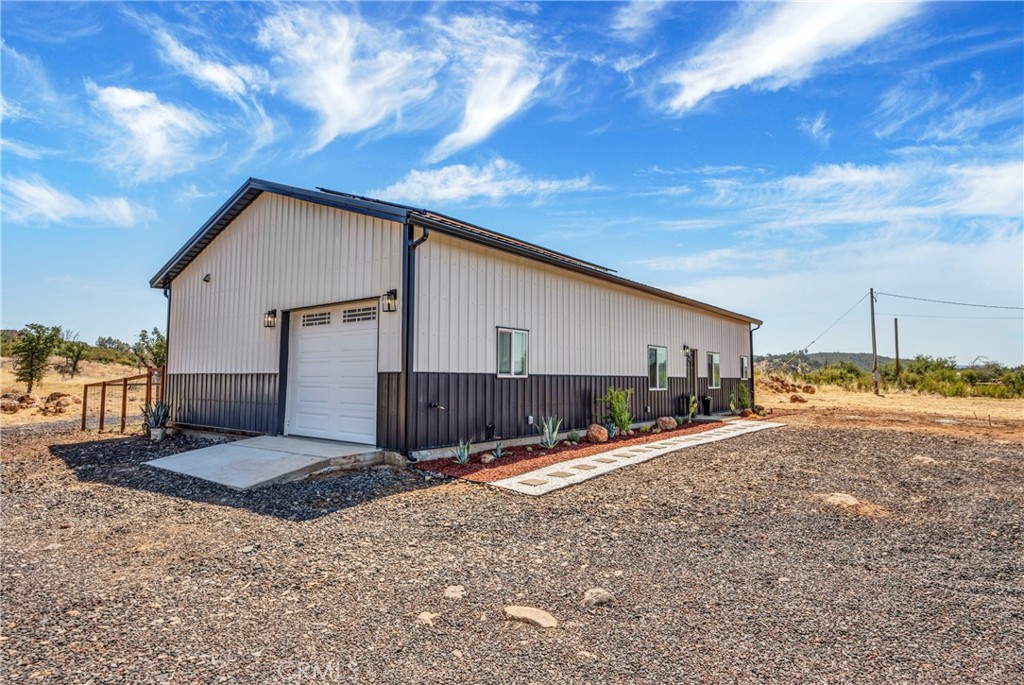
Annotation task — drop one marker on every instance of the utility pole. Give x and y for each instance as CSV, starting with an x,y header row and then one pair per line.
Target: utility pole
x,y
896,328
874,344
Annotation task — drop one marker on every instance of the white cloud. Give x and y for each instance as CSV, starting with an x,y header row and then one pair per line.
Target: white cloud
x,y
33,200
710,260
635,19
504,73
10,110
239,83
148,139
495,180
967,121
772,46
816,128
988,190
24,150
354,76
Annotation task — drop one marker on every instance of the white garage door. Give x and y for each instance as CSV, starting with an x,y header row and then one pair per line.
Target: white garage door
x,y
332,373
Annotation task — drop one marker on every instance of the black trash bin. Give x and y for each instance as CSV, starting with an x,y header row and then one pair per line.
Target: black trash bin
x,y
705,403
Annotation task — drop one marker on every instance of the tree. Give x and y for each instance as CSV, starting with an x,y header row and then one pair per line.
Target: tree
x,y
32,352
112,344
72,349
151,349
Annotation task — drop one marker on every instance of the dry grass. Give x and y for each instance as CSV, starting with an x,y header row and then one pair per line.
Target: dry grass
x,y
92,372
985,417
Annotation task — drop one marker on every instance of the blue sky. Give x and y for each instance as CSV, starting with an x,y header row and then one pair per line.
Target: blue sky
x,y
776,159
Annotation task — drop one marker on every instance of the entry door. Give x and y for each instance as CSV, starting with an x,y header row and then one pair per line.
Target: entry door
x,y
332,373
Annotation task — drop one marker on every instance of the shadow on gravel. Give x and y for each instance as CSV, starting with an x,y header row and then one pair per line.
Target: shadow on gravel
x,y
119,462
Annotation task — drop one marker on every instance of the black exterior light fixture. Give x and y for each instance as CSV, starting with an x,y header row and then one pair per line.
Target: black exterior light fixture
x,y
389,300
270,319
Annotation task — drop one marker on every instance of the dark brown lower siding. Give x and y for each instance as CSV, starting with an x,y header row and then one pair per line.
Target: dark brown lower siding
x,y
250,402
472,401
234,401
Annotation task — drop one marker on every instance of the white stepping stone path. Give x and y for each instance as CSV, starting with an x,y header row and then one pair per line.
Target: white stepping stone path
x,y
565,473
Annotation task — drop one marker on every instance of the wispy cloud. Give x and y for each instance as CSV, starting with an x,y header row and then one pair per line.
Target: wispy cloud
x,y
504,73
10,110
816,128
774,45
25,82
148,139
239,83
352,75
636,19
25,150
710,260
32,200
495,180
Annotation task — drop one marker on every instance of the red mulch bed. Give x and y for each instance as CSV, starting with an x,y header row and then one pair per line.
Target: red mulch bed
x,y
516,461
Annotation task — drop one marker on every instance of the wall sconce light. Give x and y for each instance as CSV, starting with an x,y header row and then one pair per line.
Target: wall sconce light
x,y
389,300
686,348
270,319
206,278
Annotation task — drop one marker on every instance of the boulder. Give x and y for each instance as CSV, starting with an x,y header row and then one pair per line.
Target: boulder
x,y
666,423
596,433
531,616
10,396
837,499
797,398
54,396
9,406
747,413
809,389
28,400
487,458
597,596
921,459
455,592
426,618
64,401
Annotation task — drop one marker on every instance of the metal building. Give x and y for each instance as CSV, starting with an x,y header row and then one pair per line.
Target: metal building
x,y
323,314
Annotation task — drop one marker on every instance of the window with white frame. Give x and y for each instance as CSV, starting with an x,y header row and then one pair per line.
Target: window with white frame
x,y
744,367
714,370
657,367
513,352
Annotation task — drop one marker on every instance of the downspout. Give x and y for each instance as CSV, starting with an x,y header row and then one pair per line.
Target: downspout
x,y
167,346
406,402
753,400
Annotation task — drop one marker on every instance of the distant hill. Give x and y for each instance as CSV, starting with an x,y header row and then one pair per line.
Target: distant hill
x,y
816,360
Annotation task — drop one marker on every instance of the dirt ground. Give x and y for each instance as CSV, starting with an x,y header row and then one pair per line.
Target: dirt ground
x,y
92,372
977,417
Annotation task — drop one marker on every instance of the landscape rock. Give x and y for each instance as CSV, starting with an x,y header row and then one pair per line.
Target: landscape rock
x,y
809,389
531,615
666,423
797,398
746,413
919,459
54,396
64,401
426,618
487,458
455,592
9,406
28,400
597,596
837,499
596,433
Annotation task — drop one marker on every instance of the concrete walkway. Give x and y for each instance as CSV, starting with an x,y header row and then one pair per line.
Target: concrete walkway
x,y
563,474
268,459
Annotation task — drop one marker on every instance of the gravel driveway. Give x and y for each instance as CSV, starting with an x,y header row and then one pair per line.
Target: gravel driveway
x,y
724,568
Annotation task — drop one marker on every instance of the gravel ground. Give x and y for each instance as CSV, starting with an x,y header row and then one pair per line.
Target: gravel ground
x,y
724,566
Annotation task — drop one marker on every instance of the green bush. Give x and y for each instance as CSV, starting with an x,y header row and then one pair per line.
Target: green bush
x,y
616,403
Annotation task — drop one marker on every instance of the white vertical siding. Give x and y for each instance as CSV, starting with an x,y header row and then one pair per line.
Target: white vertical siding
x,y
578,325
280,253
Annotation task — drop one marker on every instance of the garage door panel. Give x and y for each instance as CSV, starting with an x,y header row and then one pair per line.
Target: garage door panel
x,y
332,389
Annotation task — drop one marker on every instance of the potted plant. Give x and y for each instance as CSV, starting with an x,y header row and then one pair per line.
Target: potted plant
x,y
691,408
156,420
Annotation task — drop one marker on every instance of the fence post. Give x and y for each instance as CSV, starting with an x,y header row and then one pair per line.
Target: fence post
x,y
124,401
85,403
149,386
103,405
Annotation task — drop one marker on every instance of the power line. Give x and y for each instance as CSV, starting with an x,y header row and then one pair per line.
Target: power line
x,y
959,304
977,318
831,326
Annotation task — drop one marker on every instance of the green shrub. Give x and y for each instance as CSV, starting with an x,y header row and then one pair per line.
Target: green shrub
x,y
461,452
574,436
744,395
616,403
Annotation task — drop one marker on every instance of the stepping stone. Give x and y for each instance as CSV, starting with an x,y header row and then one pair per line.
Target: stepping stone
x,y
533,481
606,460
560,474
584,467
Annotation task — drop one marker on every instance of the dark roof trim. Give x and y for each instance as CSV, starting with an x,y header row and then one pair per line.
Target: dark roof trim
x,y
244,197
454,229
255,187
